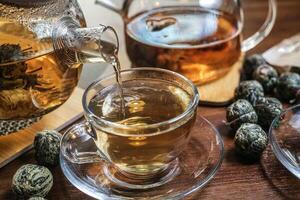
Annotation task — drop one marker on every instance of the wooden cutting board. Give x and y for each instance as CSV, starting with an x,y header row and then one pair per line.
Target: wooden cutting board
x,y
13,145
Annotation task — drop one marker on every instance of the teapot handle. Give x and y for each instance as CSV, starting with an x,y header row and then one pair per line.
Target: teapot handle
x,y
111,5
264,30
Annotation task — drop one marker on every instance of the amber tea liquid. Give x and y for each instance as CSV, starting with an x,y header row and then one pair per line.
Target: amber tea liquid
x,y
146,102
199,43
36,82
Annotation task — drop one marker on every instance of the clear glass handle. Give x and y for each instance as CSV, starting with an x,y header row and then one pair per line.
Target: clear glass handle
x,y
76,45
78,146
264,30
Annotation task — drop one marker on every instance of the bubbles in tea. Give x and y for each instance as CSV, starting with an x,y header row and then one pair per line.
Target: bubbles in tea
x,y
146,102
201,44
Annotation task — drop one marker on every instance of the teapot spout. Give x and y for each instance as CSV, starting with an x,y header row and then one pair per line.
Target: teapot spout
x,y
75,45
115,6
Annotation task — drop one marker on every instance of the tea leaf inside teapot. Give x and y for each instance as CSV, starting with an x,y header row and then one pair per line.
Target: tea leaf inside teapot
x,y
11,52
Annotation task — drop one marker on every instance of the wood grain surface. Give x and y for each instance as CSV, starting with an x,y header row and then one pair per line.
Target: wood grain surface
x,y
15,144
266,179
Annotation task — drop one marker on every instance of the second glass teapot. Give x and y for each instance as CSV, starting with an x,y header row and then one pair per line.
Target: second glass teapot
x,y
43,44
201,39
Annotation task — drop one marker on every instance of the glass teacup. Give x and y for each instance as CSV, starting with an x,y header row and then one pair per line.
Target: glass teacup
x,y
140,149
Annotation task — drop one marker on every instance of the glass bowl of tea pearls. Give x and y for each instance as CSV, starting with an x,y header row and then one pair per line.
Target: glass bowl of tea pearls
x,y
284,135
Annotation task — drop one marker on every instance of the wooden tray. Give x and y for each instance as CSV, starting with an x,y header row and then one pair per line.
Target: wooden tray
x,y
15,144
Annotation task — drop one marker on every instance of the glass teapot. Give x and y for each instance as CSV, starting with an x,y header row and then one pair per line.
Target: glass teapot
x,y
201,39
43,44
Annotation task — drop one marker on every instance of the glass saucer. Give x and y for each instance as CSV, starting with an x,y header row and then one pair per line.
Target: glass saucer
x,y
285,139
197,165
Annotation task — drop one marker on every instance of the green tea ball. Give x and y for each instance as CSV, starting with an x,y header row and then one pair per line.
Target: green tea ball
x,y
250,91
288,86
267,110
267,76
31,181
251,64
250,140
47,147
240,112
36,198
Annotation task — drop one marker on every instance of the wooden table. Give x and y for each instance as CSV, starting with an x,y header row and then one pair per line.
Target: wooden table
x,y
266,179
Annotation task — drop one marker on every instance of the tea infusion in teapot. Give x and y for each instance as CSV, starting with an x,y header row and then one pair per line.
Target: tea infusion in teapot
x,y
43,45
167,38
33,85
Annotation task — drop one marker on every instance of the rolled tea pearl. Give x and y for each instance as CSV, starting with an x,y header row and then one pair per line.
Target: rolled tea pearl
x,y
288,86
251,91
240,112
251,64
267,76
250,141
267,110
32,180
47,147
